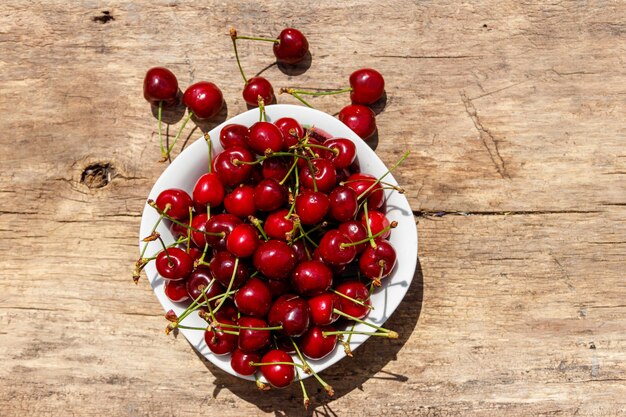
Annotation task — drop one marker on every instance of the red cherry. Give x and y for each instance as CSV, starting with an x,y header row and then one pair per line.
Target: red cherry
x,y
377,263
346,152
240,202
199,280
234,135
315,345
176,291
378,222
312,206
252,340
292,46
227,313
255,87
324,173
311,278
278,375
355,290
208,190
360,182
277,226
302,250
221,343
322,308
263,136
275,167
199,223
222,266
291,312
331,250
179,202
356,231
175,267
160,84
269,195
360,119
228,169
240,361
178,230
223,223
292,130
204,99
367,86
274,259
343,204
337,269
278,287
254,298
243,240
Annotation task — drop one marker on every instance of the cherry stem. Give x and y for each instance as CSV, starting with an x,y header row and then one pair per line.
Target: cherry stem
x,y
367,225
182,127
160,219
296,96
327,387
230,285
160,118
389,185
354,300
305,397
275,363
257,223
312,170
316,93
393,225
189,229
348,316
259,384
207,137
326,148
251,38
195,305
193,229
169,260
389,171
293,166
201,260
389,335
306,235
262,115
233,37
180,326
234,326
313,229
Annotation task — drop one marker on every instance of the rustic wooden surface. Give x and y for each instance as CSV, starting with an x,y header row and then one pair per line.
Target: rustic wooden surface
x,y
514,112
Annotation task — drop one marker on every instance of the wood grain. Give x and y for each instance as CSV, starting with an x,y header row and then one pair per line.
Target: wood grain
x,y
514,115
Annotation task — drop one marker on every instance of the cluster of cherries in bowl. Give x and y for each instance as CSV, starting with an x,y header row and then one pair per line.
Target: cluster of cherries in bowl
x,y
277,242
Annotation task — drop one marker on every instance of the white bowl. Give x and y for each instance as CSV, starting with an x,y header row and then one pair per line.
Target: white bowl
x,y
192,163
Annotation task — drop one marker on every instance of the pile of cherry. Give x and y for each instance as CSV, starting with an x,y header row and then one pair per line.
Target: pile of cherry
x,y
282,242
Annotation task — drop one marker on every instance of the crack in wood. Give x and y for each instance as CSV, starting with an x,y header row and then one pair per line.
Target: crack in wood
x,y
489,141
427,56
436,213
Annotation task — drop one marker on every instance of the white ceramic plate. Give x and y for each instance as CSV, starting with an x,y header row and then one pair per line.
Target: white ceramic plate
x,y
192,163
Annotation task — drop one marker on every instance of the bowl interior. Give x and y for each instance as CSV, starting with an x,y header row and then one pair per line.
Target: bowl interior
x,y
193,162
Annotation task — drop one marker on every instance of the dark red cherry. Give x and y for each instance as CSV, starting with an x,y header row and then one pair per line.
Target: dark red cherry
x,y
311,278
227,313
277,226
176,291
240,361
221,343
278,375
178,265
315,345
323,172
302,250
240,202
228,169
337,269
223,223
160,84
343,152
274,259
222,266
361,119
179,230
292,130
360,183
255,87
355,290
263,136
275,167
243,240
254,298
292,46
179,202
204,99
278,287
252,340
269,195
378,222
322,308
356,231
368,85
312,206
291,312
343,204
200,279
199,223
234,135
377,263
208,190
331,250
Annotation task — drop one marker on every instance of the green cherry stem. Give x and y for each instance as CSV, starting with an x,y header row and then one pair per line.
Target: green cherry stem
x,y
209,143
189,229
252,38
180,131
296,96
230,286
354,300
152,204
305,396
389,335
233,37
393,225
160,118
323,383
367,225
316,93
348,316
389,171
258,224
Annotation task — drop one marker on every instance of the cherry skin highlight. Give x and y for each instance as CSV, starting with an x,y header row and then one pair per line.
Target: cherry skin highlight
x,y
292,46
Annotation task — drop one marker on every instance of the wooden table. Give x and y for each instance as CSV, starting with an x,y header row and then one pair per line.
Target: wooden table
x,y
513,111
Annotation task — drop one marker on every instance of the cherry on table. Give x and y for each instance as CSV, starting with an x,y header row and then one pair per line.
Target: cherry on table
x,y
360,119
174,264
292,46
180,202
160,85
279,375
254,298
292,313
204,99
255,87
367,84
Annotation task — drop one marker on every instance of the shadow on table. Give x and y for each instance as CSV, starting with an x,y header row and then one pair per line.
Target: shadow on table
x,y
345,376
